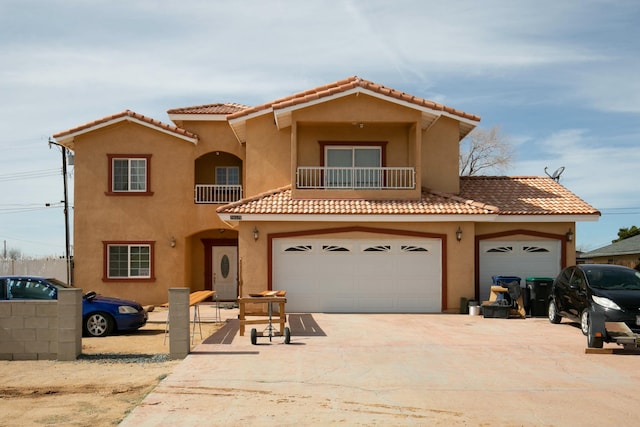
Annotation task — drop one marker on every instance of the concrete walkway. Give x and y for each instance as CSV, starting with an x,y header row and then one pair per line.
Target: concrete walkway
x,y
393,369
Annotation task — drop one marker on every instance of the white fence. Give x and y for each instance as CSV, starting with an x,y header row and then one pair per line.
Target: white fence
x,y
43,267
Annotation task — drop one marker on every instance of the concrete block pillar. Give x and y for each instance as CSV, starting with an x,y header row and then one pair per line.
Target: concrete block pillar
x,y
69,323
179,337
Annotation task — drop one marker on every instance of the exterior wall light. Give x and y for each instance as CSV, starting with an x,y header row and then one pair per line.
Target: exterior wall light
x,y
569,236
172,242
256,233
459,234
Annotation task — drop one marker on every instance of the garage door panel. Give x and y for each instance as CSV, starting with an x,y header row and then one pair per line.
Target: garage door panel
x,y
359,275
517,258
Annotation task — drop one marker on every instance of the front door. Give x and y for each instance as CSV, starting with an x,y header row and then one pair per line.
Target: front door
x,y
225,272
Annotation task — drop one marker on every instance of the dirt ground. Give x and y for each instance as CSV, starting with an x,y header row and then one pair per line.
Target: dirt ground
x,y
112,376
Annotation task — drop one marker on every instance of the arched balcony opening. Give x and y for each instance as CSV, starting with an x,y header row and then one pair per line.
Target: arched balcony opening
x,y
218,178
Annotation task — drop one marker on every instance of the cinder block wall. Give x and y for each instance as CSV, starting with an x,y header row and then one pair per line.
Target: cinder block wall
x,y
40,330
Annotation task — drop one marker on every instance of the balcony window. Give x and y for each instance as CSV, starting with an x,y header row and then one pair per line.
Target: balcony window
x,y
227,175
349,167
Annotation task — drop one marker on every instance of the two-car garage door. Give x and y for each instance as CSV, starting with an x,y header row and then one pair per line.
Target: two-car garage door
x,y
359,275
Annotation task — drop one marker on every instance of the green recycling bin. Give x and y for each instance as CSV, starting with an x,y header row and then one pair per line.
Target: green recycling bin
x,y
539,289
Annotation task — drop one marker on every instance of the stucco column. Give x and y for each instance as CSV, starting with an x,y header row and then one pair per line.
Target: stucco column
x,y
179,344
69,323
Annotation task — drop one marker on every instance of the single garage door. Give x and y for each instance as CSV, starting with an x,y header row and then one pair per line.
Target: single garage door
x,y
359,275
517,258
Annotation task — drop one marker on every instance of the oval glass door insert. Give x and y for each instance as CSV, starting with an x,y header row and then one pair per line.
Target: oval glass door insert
x,y
224,266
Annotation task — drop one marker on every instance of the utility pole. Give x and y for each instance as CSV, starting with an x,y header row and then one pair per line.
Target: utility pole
x,y
66,209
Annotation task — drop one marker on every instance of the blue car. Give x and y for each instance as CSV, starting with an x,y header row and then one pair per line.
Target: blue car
x,y
100,315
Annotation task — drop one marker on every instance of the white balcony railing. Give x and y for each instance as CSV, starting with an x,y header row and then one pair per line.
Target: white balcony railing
x,y
355,178
217,193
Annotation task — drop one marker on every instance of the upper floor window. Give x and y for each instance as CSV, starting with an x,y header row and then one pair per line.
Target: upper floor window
x,y
227,175
129,174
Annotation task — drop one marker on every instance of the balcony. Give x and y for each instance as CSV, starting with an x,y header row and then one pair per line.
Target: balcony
x,y
371,178
221,194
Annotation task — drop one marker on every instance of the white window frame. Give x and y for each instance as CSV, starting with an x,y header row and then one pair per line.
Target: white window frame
x,y
141,181
143,273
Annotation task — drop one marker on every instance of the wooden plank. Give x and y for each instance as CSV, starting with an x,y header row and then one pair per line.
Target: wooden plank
x,y
611,350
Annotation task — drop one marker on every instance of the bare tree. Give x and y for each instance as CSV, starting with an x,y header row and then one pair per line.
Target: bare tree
x,y
485,150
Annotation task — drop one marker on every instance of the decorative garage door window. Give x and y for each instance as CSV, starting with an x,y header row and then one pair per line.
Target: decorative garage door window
x,y
534,249
405,248
380,248
299,248
501,249
332,248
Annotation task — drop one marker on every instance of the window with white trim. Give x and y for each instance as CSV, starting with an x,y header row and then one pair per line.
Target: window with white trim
x,y
128,261
129,174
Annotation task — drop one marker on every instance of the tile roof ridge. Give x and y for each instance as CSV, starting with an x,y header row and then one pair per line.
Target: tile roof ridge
x,y
127,113
345,85
209,105
463,200
255,197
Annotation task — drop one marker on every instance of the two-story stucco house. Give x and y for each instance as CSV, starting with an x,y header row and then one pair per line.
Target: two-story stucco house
x,y
347,196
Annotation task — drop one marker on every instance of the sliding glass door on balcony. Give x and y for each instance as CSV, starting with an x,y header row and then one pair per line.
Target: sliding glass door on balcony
x,y
352,167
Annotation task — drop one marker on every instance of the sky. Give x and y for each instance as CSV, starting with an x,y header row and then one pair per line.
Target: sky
x,y
561,79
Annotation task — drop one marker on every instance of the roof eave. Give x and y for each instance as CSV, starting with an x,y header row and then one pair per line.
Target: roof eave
x,y
68,139
228,216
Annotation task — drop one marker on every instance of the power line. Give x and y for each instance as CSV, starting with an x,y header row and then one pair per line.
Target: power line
x,y
43,173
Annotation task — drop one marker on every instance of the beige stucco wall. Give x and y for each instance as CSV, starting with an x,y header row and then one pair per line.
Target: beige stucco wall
x,y
440,156
169,213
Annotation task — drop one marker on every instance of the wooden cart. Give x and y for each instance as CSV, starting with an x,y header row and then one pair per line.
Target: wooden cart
x,y
265,317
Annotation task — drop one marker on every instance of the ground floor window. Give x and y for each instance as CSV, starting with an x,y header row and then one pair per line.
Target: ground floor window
x,y
128,260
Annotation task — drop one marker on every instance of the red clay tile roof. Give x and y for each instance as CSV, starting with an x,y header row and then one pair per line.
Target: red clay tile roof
x,y
224,109
124,115
525,195
279,201
345,85
478,196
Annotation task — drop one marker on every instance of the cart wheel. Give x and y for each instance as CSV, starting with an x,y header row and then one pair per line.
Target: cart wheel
x,y
287,336
254,336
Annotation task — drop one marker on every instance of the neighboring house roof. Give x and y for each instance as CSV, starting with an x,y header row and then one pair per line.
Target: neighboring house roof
x,y
282,108
628,246
66,137
480,199
215,112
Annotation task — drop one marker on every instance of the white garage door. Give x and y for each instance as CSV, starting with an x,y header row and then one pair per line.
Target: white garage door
x,y
358,275
517,258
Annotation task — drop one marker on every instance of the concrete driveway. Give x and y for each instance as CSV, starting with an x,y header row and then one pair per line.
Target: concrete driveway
x,y
394,369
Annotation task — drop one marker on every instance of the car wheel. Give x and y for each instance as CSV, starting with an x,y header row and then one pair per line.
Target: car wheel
x,y
552,312
98,325
287,335
584,321
592,340
254,336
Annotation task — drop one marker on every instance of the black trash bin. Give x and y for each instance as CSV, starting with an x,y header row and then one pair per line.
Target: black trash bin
x,y
539,289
